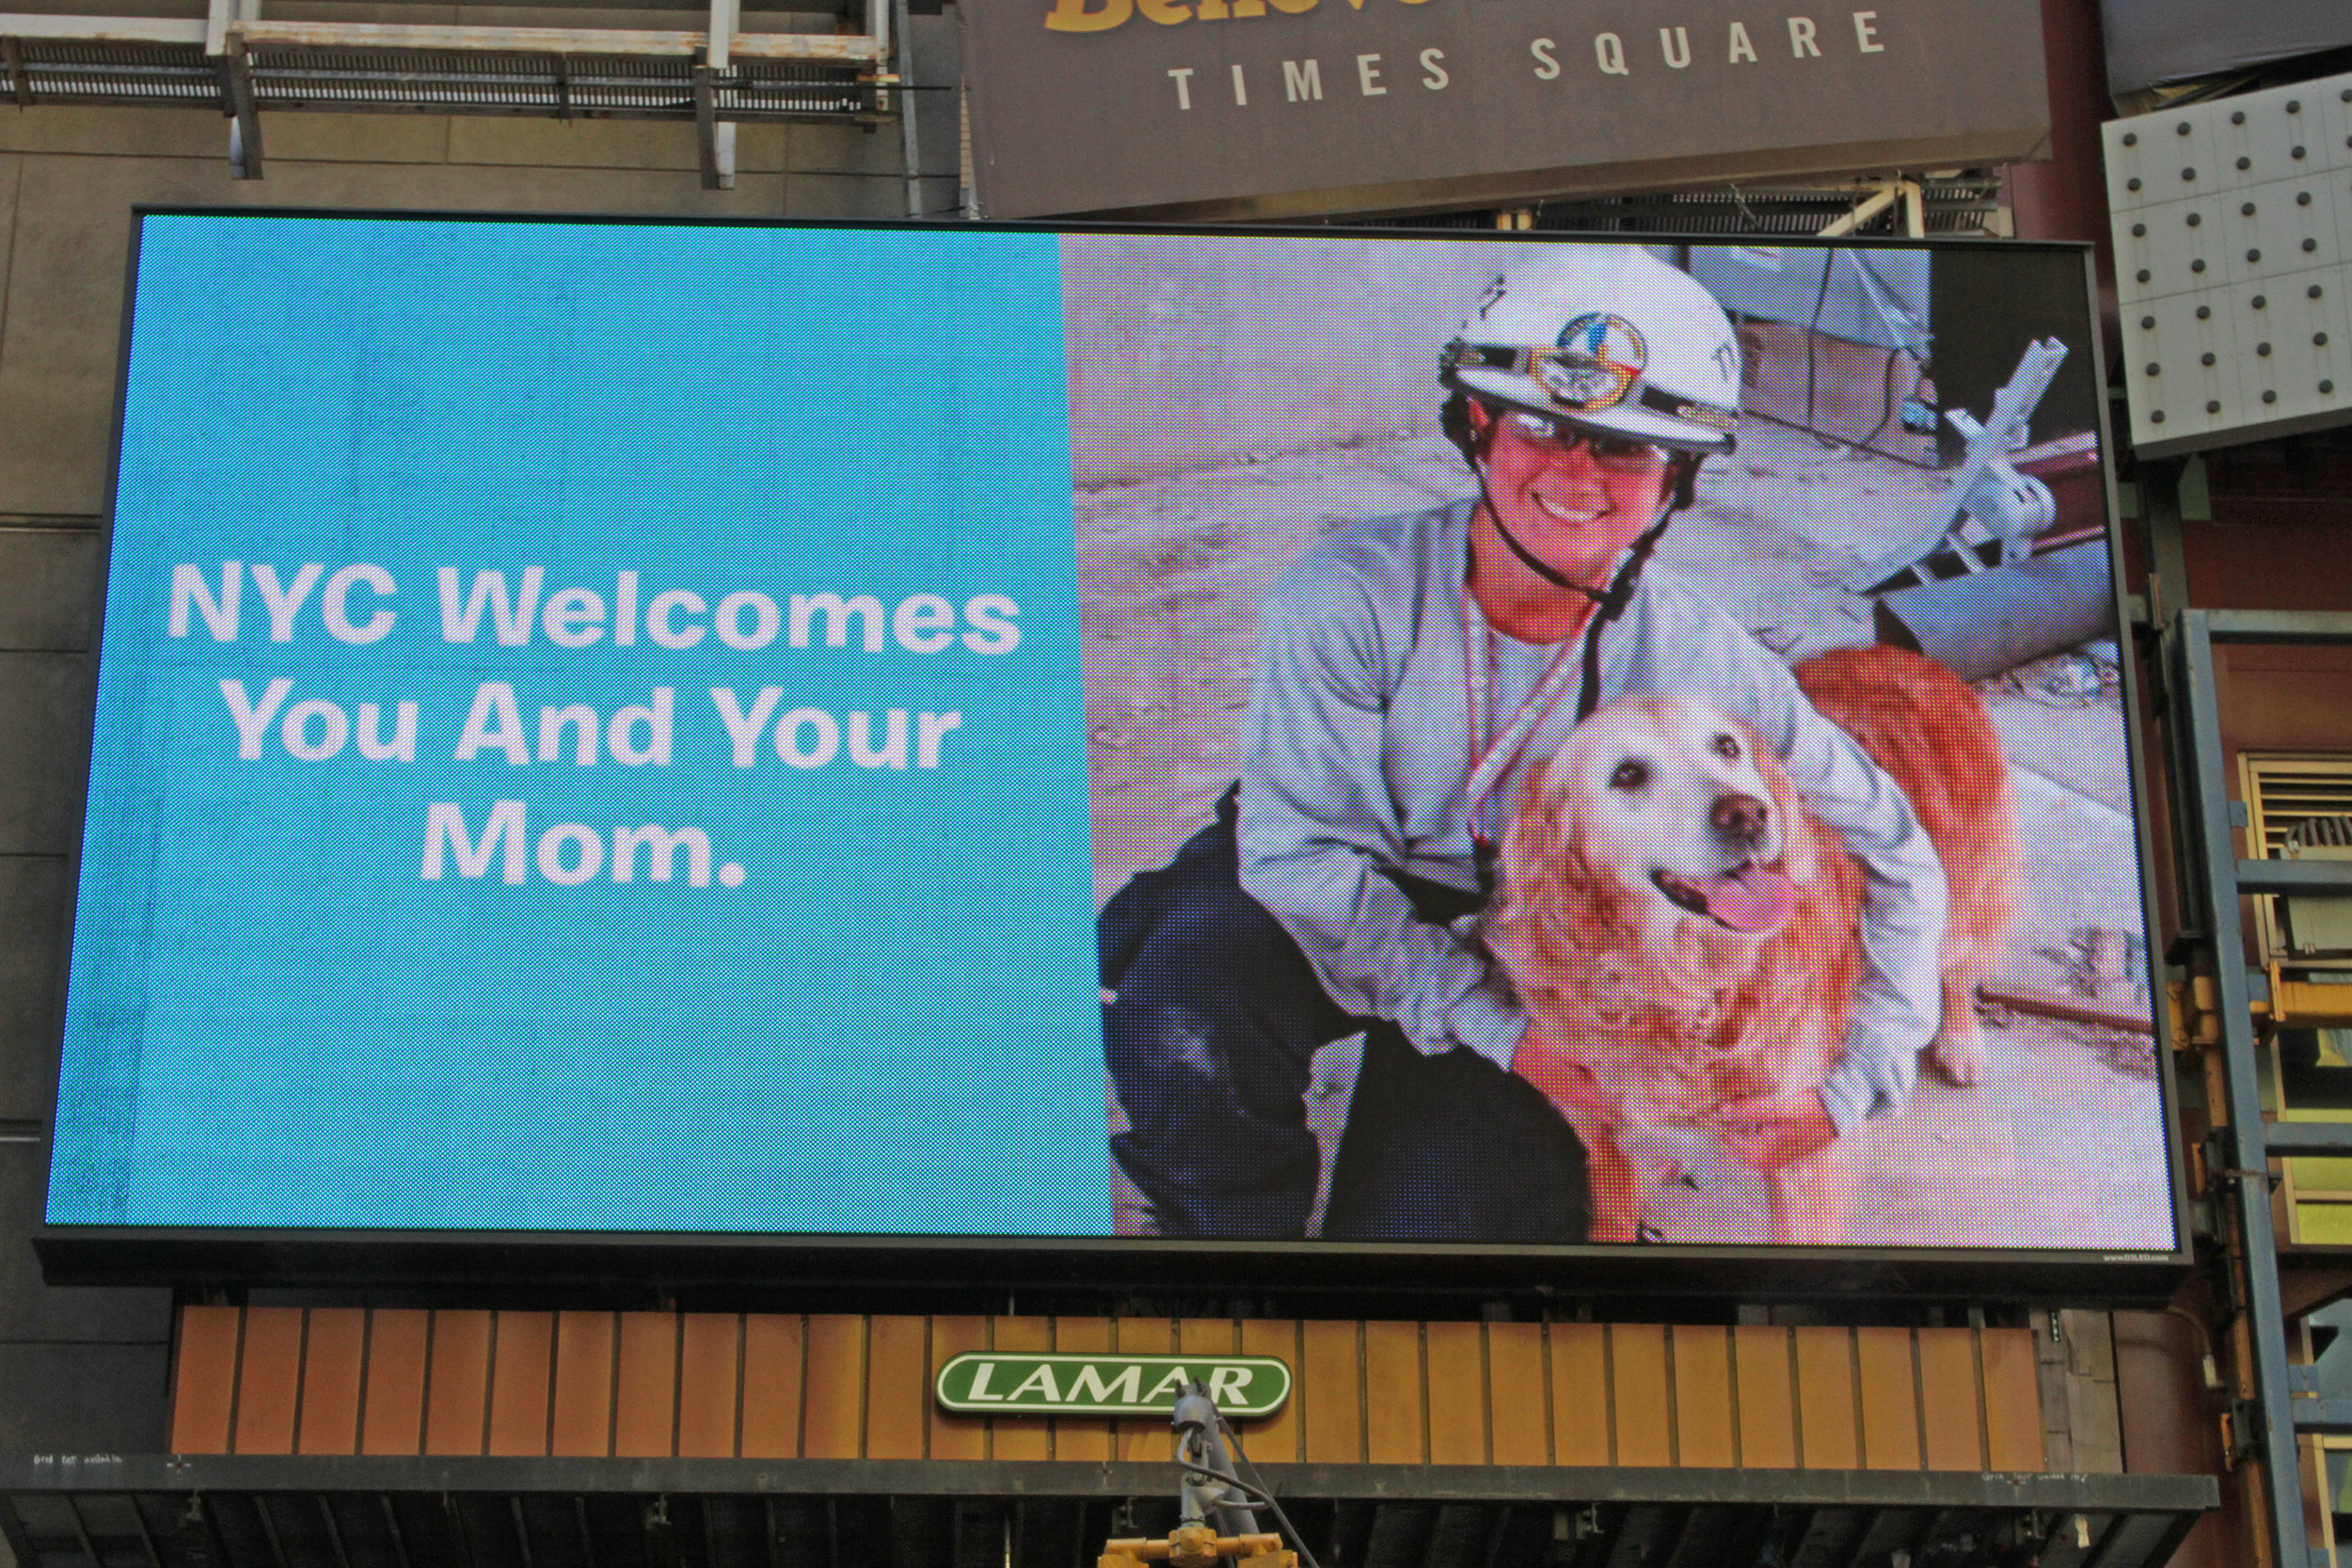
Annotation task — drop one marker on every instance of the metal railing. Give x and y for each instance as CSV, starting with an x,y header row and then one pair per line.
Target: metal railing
x,y
235,61
2269,1418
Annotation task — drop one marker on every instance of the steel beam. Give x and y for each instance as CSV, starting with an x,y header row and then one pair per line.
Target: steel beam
x,y
2279,626
2331,1416
245,137
717,136
2160,521
387,1475
2302,878
707,131
2288,1139
2196,706
102,29
821,49
910,153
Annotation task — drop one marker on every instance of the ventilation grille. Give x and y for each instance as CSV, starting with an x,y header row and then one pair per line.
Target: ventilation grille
x,y
2295,801
2318,832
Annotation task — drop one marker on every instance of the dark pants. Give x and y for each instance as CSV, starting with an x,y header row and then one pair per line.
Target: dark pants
x,y
1216,1017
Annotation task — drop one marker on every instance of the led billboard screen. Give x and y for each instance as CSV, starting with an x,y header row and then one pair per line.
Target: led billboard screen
x,y
860,731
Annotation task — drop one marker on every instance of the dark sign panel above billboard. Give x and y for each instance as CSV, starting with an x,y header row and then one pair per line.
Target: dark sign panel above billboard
x,y
1276,108
1109,753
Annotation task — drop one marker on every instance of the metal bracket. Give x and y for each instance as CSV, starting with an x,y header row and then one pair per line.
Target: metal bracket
x,y
2242,1429
2220,1173
714,138
245,118
18,83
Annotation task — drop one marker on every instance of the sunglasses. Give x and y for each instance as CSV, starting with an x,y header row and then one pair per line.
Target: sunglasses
x,y
1614,455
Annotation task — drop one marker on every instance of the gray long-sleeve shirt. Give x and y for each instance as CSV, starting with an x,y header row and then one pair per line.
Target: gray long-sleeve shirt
x,y
1355,756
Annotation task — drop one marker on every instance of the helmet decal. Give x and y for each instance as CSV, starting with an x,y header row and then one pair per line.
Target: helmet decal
x,y
1672,380
1598,359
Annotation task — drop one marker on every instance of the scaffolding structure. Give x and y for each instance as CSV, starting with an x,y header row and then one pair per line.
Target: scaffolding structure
x,y
240,63
2275,1405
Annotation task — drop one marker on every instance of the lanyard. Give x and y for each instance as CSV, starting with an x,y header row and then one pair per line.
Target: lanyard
x,y
1489,761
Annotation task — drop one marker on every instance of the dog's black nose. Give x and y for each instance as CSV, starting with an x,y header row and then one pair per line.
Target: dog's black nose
x,y
1740,819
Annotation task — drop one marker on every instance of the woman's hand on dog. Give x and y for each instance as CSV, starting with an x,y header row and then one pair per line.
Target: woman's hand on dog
x,y
1546,1062
1772,1131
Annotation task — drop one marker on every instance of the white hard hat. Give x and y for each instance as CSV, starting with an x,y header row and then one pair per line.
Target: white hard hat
x,y
1607,337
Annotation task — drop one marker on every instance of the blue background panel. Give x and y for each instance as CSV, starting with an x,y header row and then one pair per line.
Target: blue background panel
x,y
889,1027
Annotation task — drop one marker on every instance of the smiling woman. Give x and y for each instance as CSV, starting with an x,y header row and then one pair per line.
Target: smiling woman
x,y
1561,505
1388,707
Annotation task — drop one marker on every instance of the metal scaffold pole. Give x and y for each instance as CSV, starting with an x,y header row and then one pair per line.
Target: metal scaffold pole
x,y
2264,1421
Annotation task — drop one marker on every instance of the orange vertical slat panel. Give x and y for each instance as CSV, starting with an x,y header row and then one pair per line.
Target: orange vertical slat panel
x,y
332,1353
582,1422
269,1379
1768,1411
1394,1432
521,1361
955,1436
1825,1406
1890,1398
1083,1441
392,1405
1205,1335
1139,1438
1639,1399
834,1397
708,1366
1515,1394
1024,1436
204,1384
457,1383
1457,1393
645,1386
1579,1394
895,1392
773,1362
1330,1389
2012,1400
1276,1438
1949,1413
1702,1425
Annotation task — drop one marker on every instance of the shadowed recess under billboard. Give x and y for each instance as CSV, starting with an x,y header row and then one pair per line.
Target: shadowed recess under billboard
x,y
1579,746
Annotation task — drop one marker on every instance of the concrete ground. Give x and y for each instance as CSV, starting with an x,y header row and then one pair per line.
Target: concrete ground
x,y
2061,1147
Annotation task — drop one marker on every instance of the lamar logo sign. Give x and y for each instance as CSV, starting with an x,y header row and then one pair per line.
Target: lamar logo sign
x,y
1193,109
985,1382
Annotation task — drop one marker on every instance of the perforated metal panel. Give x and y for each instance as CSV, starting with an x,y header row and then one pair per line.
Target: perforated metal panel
x,y
2232,230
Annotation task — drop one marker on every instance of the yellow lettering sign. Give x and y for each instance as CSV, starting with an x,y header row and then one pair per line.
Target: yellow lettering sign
x,y
1071,16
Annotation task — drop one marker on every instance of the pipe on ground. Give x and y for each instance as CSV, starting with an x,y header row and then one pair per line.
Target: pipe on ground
x,y
1992,621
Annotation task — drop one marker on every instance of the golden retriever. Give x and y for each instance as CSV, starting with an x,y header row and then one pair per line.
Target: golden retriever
x,y
1668,904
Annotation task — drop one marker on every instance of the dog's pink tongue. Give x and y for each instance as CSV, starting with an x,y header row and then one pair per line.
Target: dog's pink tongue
x,y
1752,901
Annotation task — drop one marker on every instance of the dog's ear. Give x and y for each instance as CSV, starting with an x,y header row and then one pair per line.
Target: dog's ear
x,y
1801,853
1557,906
1534,842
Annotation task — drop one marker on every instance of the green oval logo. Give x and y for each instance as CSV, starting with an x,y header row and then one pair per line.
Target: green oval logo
x,y
1014,1383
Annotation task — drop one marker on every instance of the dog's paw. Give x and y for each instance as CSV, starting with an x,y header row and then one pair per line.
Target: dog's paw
x,y
1958,1059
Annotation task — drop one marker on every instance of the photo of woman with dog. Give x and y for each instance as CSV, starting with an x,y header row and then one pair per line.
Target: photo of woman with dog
x,y
1644,912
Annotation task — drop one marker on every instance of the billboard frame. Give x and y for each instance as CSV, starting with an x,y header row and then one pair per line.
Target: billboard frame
x,y
742,1264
